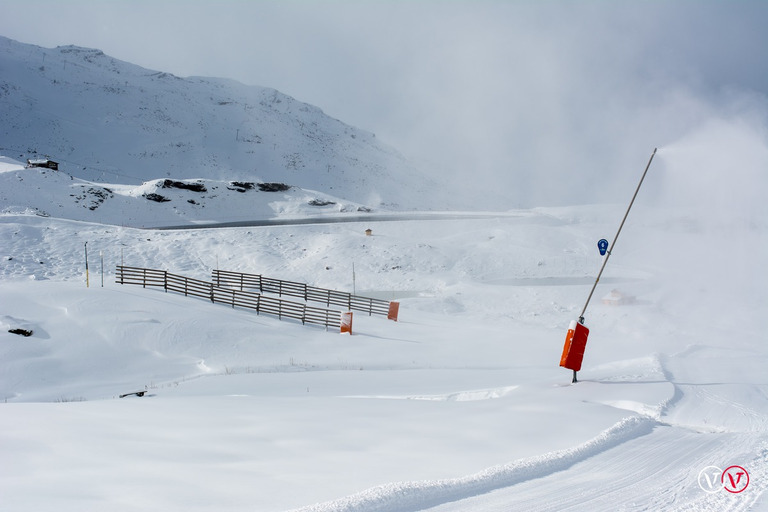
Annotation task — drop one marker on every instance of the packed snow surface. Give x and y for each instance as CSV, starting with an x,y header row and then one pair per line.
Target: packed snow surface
x,y
459,405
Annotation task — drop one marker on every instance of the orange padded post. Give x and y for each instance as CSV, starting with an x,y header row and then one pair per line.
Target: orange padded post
x,y
346,322
394,307
575,343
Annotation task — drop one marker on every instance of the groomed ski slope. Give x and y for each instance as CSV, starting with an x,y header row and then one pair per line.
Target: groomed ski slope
x,y
460,405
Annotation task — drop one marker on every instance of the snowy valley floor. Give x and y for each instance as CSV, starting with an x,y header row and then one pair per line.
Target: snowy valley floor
x,y
460,405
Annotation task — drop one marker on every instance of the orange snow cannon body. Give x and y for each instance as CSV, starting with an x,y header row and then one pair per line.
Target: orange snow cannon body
x,y
575,343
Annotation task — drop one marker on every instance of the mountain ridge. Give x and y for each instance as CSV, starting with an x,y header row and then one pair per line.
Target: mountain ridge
x,y
111,121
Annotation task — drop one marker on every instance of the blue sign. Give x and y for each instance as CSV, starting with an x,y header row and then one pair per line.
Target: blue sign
x,y
602,245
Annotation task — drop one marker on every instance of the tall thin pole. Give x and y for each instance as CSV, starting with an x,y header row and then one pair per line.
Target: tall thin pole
x,y
608,254
87,280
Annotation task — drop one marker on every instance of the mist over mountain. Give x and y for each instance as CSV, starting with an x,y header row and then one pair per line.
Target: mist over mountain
x,y
114,122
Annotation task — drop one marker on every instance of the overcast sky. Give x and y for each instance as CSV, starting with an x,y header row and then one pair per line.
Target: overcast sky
x,y
512,93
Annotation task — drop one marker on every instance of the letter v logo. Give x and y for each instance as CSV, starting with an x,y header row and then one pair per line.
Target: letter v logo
x,y
737,481
710,479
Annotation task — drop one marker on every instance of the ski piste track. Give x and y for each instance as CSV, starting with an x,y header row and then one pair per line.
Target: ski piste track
x,y
638,464
649,461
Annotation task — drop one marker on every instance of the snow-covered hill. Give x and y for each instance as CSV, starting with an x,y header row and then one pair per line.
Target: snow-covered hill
x,y
460,405
157,203
110,121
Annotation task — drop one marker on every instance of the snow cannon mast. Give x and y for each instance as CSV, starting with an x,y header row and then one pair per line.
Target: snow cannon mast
x,y
576,338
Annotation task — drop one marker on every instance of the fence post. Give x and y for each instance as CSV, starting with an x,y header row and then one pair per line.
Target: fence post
x,y
165,281
144,278
213,299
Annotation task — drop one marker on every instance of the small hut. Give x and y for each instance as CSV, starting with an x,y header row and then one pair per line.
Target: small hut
x,y
617,298
43,162
368,232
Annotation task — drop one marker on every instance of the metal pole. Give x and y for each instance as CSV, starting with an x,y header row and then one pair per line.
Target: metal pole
x,y
87,279
610,248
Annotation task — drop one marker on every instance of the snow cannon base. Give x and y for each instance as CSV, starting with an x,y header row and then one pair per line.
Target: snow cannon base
x,y
575,343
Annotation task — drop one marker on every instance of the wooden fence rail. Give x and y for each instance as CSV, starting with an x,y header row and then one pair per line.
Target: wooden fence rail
x,y
235,298
241,281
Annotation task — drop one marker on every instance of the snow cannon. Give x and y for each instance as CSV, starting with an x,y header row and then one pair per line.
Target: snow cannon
x,y
576,339
575,343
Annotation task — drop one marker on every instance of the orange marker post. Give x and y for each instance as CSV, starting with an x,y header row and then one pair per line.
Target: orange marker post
x,y
346,322
394,308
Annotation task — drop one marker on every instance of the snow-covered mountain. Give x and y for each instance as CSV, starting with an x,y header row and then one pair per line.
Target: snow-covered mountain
x,y
111,121
157,203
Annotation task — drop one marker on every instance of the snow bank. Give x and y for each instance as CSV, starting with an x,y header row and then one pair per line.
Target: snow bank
x,y
414,496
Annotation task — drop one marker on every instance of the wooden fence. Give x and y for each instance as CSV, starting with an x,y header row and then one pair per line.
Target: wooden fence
x,y
235,298
263,284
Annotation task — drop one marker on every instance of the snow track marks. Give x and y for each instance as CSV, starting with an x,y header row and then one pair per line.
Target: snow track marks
x,y
414,496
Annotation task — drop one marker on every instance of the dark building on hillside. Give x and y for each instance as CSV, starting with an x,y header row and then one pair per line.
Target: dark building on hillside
x,y
43,162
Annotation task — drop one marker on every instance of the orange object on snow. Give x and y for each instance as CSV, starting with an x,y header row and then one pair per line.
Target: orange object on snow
x,y
394,307
346,322
575,343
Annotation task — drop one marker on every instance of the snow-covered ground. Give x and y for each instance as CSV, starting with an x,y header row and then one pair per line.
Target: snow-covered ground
x,y
460,405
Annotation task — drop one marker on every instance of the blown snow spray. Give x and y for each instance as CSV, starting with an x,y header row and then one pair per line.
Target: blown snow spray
x,y
576,338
